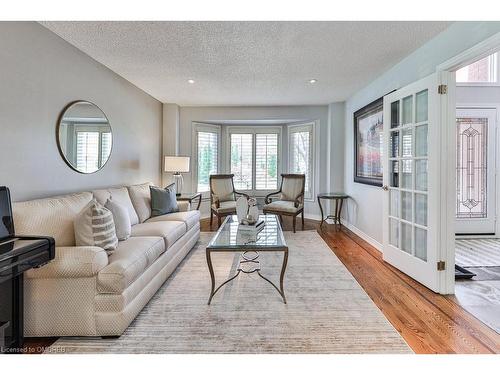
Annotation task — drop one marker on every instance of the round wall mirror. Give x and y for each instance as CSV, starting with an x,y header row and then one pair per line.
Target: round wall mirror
x,y
84,137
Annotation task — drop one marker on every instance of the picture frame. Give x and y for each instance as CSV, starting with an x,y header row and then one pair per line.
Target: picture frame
x,y
368,135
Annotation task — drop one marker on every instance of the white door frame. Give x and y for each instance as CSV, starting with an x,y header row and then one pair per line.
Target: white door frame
x,y
448,161
496,135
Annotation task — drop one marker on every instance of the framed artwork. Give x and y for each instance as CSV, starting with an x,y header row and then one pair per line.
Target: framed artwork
x,y
368,135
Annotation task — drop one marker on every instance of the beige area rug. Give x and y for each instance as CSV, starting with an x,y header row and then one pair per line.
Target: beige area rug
x,y
327,310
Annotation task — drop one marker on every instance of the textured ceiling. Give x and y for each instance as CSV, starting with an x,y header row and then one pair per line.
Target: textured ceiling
x,y
248,63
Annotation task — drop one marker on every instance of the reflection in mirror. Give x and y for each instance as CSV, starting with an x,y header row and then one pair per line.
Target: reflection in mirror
x,y
84,137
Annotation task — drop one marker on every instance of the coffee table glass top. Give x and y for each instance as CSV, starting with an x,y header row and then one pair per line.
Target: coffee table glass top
x,y
231,238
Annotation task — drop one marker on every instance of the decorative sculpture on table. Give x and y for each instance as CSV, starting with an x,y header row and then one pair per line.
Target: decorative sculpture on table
x,y
247,210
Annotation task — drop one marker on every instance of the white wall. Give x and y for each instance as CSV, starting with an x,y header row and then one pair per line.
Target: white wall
x,y
322,114
40,74
364,211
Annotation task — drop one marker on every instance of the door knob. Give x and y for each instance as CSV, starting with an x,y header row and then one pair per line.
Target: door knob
x,y
385,188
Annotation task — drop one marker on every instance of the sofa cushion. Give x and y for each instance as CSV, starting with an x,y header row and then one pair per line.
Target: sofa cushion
x,y
119,195
171,231
223,189
132,257
225,207
292,188
141,199
52,217
282,206
190,218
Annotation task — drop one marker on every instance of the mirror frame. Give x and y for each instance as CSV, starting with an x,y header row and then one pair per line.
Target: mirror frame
x,y
58,125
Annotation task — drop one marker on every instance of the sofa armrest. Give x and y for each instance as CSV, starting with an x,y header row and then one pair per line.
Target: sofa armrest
x,y
183,206
72,262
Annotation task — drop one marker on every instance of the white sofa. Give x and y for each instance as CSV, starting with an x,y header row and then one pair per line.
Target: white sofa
x,y
83,292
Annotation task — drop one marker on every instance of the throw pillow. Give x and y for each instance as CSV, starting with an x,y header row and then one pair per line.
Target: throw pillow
x,y
121,218
94,226
163,201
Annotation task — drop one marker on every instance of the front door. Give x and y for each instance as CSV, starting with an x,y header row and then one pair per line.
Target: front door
x,y
475,202
412,137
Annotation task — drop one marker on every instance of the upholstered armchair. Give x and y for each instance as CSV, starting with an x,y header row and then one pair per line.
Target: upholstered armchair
x,y
222,196
291,198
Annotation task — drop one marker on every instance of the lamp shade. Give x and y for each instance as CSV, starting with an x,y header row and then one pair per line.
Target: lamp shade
x,y
177,163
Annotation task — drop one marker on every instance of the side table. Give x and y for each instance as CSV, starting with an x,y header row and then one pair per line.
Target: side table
x,y
339,202
190,197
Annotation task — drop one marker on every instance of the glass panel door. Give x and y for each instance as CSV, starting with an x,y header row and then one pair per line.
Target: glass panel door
x,y
410,217
411,212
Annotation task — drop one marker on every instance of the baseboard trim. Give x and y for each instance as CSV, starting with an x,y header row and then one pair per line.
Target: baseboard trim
x,y
377,245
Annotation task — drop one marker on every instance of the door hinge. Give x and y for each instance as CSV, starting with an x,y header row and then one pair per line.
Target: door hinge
x,y
442,89
441,265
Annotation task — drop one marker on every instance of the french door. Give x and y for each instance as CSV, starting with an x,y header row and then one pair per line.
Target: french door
x,y
476,185
411,180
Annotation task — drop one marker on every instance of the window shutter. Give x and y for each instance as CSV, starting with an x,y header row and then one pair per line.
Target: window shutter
x,y
242,160
105,147
266,161
87,151
207,146
301,154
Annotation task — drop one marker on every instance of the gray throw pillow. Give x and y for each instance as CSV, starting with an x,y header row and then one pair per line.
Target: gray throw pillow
x,y
121,218
163,201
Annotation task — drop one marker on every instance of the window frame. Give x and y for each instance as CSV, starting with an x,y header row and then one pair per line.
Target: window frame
x,y
496,57
254,129
203,128
296,128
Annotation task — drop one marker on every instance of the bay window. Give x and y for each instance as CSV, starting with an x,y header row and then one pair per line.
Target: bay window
x,y
253,154
254,157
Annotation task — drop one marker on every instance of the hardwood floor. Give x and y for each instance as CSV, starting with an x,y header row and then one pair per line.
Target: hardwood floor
x,y
429,322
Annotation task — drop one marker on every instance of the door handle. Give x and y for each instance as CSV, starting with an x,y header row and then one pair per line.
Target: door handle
x,y
385,188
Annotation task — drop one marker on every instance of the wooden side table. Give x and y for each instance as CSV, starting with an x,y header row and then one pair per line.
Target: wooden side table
x,y
190,198
339,202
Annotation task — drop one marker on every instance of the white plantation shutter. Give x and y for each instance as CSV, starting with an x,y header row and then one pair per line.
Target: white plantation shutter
x,y
87,151
207,159
106,142
300,154
266,161
241,155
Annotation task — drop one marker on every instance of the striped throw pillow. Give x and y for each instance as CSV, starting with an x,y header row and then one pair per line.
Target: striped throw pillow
x,y
94,226
103,228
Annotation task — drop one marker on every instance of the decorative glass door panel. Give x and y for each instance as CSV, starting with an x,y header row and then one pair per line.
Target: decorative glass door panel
x,y
475,168
411,134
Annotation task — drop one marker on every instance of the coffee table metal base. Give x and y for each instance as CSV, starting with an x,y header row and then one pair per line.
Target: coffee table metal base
x,y
249,263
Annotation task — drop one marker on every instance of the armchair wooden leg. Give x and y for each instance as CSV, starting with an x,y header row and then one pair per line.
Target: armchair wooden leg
x,y
294,222
219,221
302,219
211,218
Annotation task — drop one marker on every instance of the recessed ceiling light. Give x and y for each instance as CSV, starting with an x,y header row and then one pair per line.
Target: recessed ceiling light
x,y
191,81
312,81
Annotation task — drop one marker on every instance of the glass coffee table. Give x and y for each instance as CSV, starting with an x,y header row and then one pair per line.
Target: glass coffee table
x,y
231,239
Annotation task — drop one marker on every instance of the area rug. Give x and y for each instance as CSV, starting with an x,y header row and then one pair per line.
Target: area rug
x,y
327,310
477,253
